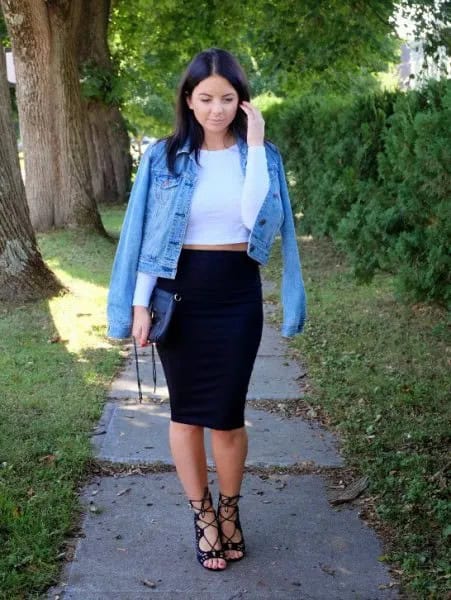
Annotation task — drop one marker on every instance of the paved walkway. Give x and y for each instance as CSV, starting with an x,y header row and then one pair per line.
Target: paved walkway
x,y
137,531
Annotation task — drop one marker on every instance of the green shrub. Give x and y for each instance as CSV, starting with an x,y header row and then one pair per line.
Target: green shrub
x,y
401,220
330,144
372,173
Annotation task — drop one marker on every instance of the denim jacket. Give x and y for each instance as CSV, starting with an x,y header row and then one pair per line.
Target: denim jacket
x,y
155,223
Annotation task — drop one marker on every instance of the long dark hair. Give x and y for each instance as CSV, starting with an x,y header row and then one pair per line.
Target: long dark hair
x,y
209,62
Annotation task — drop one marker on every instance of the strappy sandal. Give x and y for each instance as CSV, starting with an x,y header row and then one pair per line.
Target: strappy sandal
x,y
200,525
226,505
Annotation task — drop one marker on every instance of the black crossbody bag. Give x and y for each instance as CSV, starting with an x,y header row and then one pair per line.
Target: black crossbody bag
x,y
161,307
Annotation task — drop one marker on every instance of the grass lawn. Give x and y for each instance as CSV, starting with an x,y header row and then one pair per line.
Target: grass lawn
x,y
380,372
377,369
55,364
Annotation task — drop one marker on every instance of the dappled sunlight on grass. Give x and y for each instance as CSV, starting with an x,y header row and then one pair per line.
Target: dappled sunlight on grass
x,y
79,254
82,261
55,367
79,315
112,217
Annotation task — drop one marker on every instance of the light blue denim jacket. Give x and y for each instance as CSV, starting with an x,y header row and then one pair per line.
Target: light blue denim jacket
x,y
155,223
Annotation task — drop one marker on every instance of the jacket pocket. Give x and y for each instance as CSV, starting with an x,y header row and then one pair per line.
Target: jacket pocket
x,y
163,187
162,195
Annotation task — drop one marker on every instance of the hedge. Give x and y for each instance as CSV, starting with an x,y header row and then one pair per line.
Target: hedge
x,y
373,173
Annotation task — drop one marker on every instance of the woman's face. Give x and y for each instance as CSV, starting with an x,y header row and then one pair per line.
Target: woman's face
x,y
214,102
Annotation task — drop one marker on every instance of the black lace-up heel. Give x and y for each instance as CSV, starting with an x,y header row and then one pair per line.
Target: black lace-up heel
x,y
228,510
200,525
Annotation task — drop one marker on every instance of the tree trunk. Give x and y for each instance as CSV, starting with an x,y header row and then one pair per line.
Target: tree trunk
x,y
52,121
23,273
106,135
109,153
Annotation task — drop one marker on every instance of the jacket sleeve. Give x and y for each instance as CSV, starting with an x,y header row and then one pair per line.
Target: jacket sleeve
x,y
124,271
293,295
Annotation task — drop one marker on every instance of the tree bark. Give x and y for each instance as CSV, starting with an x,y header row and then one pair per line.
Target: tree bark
x,y
106,134
109,153
51,116
23,273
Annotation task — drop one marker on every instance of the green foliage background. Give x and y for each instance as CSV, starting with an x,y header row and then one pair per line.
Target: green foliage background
x,y
373,173
284,46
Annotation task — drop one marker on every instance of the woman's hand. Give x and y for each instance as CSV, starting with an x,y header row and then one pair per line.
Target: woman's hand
x,y
141,324
255,124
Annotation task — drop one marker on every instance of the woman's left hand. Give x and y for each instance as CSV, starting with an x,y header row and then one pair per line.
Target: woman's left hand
x,y
255,124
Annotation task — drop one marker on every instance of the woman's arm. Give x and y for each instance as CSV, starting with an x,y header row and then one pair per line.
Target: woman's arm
x,y
292,290
256,180
123,275
256,185
145,283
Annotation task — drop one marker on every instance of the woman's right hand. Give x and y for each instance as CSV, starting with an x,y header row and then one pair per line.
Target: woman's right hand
x,y
141,324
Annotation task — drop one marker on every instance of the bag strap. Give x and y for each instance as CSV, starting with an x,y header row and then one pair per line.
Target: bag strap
x,y
154,370
138,379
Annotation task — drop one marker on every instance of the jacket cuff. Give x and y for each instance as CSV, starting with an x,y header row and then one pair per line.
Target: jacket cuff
x,y
118,331
291,330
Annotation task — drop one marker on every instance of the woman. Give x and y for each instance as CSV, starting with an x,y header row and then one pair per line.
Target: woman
x,y
204,210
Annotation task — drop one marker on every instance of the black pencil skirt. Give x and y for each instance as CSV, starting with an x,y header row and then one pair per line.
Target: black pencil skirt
x,y
215,333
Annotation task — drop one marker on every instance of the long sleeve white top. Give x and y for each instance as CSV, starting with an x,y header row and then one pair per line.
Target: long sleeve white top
x,y
224,206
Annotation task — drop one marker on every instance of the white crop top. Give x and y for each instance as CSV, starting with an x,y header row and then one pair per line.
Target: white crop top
x,y
224,205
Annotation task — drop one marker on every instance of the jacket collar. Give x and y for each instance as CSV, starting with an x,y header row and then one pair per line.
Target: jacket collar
x,y
185,149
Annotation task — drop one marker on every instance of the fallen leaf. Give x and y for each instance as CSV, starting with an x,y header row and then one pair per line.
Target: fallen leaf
x,y
49,458
352,491
100,432
327,569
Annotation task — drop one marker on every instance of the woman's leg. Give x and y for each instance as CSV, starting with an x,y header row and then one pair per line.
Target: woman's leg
x,y
188,452
229,452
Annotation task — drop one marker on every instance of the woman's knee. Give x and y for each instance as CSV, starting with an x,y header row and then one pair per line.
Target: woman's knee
x,y
186,429
228,437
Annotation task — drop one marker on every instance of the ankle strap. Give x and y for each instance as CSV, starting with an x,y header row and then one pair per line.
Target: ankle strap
x,y
228,500
205,502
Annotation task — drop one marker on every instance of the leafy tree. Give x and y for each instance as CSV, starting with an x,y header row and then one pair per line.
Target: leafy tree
x,y
52,120
106,133
329,41
76,147
432,24
152,42
286,46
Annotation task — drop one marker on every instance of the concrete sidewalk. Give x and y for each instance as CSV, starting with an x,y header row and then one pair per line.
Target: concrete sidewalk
x,y
137,537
